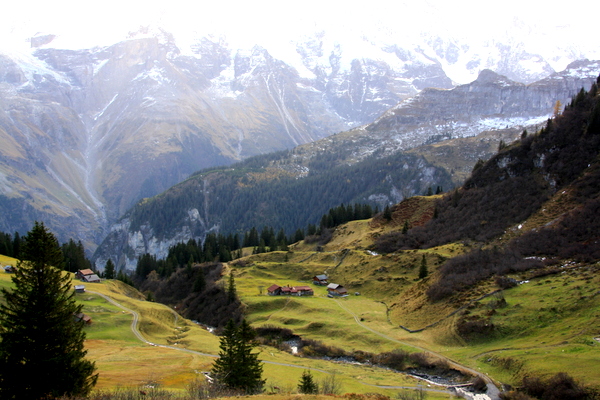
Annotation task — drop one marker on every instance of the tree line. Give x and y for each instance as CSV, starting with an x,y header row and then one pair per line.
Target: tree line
x,y
73,252
225,248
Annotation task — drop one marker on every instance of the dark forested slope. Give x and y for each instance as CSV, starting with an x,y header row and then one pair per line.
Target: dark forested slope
x,y
563,158
274,190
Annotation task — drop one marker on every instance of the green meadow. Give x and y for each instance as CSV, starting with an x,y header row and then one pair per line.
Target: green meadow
x,y
182,350
545,325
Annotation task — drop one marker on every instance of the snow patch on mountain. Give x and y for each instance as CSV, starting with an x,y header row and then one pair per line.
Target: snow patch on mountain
x,y
32,67
159,75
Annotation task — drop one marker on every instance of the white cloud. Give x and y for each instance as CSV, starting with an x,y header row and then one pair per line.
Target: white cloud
x,y
86,23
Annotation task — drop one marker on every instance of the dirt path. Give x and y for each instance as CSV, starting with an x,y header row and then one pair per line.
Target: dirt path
x,y
138,334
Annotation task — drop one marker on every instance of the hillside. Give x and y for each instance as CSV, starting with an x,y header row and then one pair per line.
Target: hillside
x,y
142,345
513,185
510,288
451,129
512,260
275,190
88,133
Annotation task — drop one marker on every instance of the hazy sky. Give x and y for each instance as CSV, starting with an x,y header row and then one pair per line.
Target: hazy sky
x,y
86,23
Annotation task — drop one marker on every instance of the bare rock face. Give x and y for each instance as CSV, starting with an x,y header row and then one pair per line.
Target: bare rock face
x,y
90,132
491,102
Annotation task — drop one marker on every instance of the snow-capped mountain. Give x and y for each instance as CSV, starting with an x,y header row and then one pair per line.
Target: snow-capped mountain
x,y
88,132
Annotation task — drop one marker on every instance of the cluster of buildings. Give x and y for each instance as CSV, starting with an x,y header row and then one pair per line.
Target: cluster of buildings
x,y
333,289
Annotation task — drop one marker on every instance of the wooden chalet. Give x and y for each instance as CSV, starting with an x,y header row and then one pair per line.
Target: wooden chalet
x,y
87,275
83,272
83,318
91,278
301,291
320,280
335,289
274,290
286,290
79,288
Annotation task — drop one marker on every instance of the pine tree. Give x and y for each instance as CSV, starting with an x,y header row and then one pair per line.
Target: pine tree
x,y
109,269
188,266
224,369
298,236
423,268
387,213
231,291
40,339
237,367
123,277
405,228
307,384
17,246
251,374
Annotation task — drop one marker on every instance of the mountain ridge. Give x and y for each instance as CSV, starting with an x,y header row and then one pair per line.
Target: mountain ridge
x,y
313,161
111,125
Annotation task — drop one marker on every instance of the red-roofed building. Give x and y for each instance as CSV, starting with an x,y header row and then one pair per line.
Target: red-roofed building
x,y
302,291
274,290
286,290
82,273
86,319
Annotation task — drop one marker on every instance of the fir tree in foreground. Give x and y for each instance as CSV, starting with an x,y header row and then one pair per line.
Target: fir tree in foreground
x,y
307,384
41,349
237,367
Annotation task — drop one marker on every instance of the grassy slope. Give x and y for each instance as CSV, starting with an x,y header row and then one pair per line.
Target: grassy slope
x,y
549,324
123,361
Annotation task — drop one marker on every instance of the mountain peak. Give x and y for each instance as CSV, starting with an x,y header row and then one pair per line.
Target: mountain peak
x,y
488,76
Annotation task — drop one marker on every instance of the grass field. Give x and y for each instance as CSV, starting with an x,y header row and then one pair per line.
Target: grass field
x,y
545,325
549,324
124,361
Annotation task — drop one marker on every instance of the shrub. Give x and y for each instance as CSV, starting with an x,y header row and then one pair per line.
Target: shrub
x,y
504,282
474,326
478,384
396,359
559,387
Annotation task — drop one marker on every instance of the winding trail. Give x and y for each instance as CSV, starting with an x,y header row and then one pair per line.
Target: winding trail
x,y
138,334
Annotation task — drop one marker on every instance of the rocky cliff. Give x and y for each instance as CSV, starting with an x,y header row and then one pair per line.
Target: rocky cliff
x,y
491,102
87,133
